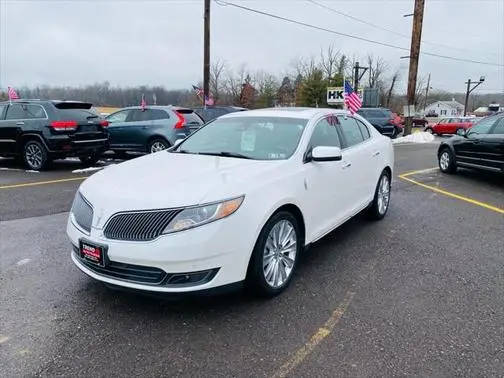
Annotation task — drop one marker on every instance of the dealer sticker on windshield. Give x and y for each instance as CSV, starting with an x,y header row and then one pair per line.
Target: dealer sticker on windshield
x,y
248,139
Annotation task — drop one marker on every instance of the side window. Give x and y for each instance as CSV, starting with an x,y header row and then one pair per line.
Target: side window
x,y
157,114
324,134
498,129
138,115
363,129
15,111
482,127
34,111
350,131
119,116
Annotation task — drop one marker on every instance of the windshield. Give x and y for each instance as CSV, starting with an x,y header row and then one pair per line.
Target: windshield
x,y
259,138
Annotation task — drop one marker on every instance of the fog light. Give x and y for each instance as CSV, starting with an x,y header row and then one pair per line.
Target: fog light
x,y
192,278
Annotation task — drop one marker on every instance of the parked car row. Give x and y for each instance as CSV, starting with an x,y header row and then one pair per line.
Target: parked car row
x,y
480,146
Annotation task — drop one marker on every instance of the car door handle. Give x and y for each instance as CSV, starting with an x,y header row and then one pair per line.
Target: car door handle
x,y
376,153
20,123
346,165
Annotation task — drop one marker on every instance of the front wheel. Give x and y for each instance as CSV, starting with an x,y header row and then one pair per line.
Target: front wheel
x,y
447,161
381,200
275,255
430,131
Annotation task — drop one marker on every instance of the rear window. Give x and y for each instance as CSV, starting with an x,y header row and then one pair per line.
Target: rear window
x,y
76,114
374,113
72,105
190,116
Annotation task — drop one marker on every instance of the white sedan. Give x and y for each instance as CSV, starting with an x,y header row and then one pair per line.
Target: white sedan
x,y
236,202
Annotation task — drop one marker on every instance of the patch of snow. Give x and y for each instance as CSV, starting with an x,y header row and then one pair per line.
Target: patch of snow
x,y
10,169
90,169
31,171
420,137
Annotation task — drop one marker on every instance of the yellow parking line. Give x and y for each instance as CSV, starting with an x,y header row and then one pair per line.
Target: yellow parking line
x,y
316,339
405,177
36,183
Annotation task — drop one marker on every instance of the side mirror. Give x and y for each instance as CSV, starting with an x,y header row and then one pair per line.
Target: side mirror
x,y
326,153
461,132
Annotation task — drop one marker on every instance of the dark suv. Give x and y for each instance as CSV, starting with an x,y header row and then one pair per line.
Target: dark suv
x,y
151,129
382,119
42,130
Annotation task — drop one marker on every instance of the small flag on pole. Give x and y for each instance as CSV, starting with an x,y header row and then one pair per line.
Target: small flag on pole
x,y
352,99
143,103
11,93
199,91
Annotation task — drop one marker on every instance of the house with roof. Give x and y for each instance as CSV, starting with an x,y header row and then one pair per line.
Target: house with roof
x,y
445,108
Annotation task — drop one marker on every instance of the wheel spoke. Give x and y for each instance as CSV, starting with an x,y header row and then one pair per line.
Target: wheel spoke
x,y
289,263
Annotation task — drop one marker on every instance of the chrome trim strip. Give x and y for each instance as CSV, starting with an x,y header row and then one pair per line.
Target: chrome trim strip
x,y
7,141
90,141
479,166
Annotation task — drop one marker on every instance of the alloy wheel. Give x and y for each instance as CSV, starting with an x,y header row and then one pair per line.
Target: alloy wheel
x,y
444,160
157,146
279,253
34,156
383,194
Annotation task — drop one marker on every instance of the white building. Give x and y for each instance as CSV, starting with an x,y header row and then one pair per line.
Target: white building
x,y
445,108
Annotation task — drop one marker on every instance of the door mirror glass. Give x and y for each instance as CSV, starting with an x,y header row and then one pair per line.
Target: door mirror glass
x,y
326,153
461,132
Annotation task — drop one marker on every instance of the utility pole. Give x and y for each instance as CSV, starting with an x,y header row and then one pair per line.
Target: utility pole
x,y
206,53
416,38
426,93
470,88
358,76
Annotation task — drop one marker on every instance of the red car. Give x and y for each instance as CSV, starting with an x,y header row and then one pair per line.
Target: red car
x,y
450,125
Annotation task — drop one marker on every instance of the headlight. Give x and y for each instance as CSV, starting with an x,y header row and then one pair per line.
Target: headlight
x,y
197,216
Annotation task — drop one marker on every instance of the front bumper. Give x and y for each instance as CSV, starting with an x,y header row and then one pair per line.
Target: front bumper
x,y
218,248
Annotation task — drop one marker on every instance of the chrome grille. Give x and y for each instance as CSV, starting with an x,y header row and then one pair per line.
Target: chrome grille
x,y
82,212
139,226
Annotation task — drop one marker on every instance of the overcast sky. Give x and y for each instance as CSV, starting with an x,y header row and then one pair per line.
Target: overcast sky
x,y
79,42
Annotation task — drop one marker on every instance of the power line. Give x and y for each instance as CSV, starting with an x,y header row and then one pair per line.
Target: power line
x,y
226,3
382,28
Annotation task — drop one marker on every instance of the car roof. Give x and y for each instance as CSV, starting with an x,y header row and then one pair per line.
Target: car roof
x,y
162,107
298,112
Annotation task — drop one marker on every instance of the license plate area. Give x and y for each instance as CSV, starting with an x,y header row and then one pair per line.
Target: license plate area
x,y
92,253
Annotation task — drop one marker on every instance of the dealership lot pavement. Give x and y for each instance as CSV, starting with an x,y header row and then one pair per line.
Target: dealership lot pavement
x,y
419,293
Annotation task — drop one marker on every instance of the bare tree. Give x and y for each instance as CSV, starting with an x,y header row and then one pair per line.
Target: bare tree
x,y
329,62
393,82
376,69
216,71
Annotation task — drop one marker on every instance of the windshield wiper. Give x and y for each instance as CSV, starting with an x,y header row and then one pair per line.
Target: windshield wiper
x,y
226,154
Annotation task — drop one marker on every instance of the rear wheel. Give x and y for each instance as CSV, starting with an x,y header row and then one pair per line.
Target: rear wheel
x,y
157,145
447,161
35,155
275,255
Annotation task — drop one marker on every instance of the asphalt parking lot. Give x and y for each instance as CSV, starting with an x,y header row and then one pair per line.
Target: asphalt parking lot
x,y
420,293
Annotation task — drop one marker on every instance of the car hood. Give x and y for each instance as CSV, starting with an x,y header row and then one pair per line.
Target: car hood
x,y
170,180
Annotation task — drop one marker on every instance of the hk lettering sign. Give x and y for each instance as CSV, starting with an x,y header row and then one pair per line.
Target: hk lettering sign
x,y
336,95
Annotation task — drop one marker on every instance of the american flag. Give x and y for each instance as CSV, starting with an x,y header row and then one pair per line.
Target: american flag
x,y
209,101
199,91
11,93
352,99
143,103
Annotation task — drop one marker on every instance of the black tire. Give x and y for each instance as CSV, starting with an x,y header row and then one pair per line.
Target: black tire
x,y
35,155
89,159
156,145
446,161
376,210
256,280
